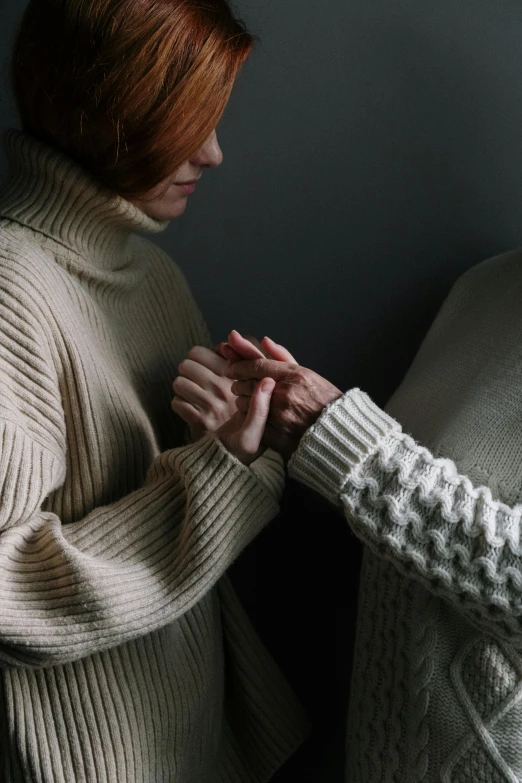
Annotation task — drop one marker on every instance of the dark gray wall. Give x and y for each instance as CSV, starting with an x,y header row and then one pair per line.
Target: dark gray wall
x,y
373,151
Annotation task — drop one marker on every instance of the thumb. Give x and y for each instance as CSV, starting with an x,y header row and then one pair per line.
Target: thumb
x,y
229,354
244,347
276,351
253,428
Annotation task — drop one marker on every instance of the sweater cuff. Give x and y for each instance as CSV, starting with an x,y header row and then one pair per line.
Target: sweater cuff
x,y
213,453
348,431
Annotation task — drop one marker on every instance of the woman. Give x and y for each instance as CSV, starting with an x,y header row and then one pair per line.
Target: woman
x,y
437,680
124,655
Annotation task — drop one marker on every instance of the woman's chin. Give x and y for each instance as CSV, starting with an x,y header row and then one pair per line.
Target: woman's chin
x,y
163,211
173,212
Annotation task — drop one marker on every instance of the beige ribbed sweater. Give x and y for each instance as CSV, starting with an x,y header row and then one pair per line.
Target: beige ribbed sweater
x,y
437,680
124,655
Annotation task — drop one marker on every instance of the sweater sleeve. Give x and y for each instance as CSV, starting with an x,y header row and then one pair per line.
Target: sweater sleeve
x,y
417,511
125,569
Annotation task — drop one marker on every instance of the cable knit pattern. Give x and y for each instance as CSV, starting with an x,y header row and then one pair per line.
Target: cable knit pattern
x,y
432,521
124,655
442,524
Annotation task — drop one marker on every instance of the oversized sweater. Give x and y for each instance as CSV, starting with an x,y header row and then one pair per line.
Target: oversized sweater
x,y
437,678
124,654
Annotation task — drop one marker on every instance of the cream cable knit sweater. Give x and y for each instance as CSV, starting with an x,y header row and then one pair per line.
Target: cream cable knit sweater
x,y
437,680
124,655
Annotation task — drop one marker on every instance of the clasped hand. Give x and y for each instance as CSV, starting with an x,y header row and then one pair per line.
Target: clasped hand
x,y
249,398
205,401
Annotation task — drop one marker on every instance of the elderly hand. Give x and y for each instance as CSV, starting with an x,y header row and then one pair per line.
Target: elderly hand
x,y
299,397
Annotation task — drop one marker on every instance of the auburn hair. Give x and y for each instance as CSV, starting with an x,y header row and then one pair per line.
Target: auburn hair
x,y
129,88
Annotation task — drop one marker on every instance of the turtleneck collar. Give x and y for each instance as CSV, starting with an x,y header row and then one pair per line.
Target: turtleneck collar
x,y
53,195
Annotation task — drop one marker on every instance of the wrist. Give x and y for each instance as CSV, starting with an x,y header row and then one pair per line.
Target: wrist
x,y
331,395
240,454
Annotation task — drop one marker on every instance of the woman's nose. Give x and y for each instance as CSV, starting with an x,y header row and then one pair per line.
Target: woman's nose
x,y
210,154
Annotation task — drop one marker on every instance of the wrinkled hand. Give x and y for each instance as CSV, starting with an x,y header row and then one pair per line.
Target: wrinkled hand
x,y
298,399
242,347
203,395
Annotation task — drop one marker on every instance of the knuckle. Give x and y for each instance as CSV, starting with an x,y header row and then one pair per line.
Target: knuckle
x,y
221,390
182,366
196,353
287,416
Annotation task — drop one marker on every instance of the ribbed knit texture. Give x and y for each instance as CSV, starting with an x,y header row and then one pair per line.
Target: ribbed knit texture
x,y
124,654
437,680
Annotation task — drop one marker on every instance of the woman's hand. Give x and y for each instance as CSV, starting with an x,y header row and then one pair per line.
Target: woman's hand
x,y
243,433
205,401
203,395
298,399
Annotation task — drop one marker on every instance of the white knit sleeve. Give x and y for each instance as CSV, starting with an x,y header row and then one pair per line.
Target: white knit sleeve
x,y
125,569
417,511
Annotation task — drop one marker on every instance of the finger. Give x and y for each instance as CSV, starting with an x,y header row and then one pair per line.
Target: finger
x,y
244,388
203,377
243,404
255,422
186,411
229,353
193,393
259,368
275,351
244,347
255,342
219,349
208,358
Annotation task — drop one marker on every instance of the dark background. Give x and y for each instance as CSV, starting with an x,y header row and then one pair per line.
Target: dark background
x,y
373,152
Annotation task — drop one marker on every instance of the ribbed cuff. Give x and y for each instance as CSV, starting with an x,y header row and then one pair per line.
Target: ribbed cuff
x,y
348,431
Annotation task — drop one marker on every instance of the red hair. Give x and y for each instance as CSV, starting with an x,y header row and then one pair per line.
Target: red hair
x,y
129,88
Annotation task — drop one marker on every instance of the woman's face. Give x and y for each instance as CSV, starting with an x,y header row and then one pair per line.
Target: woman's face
x,y
169,199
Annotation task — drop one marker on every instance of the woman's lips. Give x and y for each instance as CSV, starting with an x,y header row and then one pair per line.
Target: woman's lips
x,y
186,187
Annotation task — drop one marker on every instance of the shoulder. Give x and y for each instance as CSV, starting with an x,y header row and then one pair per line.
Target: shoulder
x,y
25,268
492,279
486,296
473,344
29,389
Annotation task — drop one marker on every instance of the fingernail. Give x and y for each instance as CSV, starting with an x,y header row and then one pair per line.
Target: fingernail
x,y
267,385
